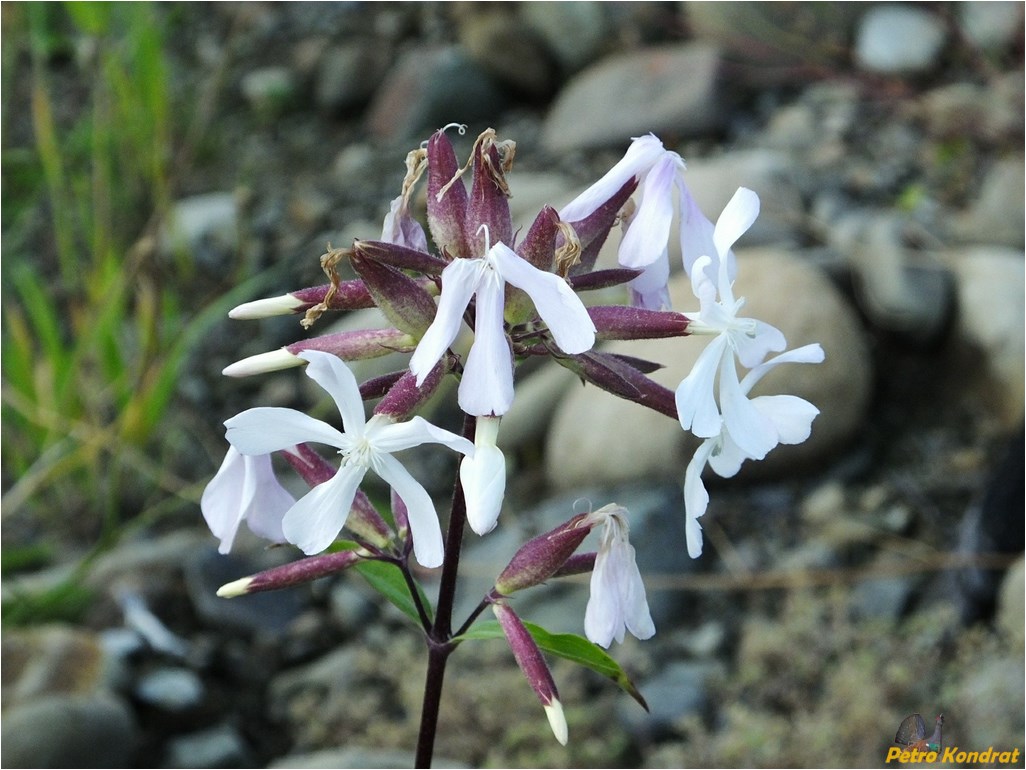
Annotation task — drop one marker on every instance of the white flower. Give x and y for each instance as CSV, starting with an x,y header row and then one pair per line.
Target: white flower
x,y
746,338
315,520
487,384
660,173
617,602
245,487
483,476
790,419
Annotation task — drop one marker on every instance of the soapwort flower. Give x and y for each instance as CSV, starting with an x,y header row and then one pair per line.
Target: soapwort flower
x,y
617,602
747,339
245,488
647,230
790,421
314,521
487,384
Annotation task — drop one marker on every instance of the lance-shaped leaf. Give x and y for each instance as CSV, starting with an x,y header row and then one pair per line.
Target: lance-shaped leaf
x,y
571,647
531,662
394,255
387,579
293,574
611,373
621,322
489,196
348,295
446,198
404,302
593,230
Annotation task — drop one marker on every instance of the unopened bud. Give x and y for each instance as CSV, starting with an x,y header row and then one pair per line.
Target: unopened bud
x,y
620,322
302,571
541,557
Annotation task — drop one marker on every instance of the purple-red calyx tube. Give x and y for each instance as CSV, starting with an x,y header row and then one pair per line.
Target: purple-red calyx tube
x,y
621,322
302,571
539,558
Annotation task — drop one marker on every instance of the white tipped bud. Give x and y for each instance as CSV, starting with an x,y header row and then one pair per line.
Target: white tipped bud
x,y
554,711
265,308
240,587
263,362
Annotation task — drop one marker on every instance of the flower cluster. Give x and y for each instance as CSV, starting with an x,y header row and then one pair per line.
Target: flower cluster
x,y
521,297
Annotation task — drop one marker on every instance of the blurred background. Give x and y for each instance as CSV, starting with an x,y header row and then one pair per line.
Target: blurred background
x,y
162,163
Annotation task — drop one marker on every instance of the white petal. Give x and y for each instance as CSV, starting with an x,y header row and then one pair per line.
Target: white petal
x,y
315,520
487,384
726,458
695,397
791,416
602,615
557,720
807,354
272,361
267,429
332,374
265,308
222,502
556,303
394,437
752,349
752,431
642,153
737,216
696,498
649,289
696,233
424,526
460,280
637,616
270,500
649,230
484,485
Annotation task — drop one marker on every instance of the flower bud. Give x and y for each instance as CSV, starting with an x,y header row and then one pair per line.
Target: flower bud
x,y
446,197
404,302
620,322
542,557
531,662
405,396
614,374
603,279
302,571
397,255
483,476
348,295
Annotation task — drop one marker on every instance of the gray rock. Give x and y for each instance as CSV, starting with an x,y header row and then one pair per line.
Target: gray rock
x,y
428,88
670,90
69,731
590,24
349,74
780,290
172,690
991,310
270,91
356,757
991,113
220,746
205,227
996,214
53,660
882,598
509,50
894,38
991,25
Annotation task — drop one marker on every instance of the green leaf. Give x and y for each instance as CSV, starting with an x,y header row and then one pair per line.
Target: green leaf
x,y
387,579
574,648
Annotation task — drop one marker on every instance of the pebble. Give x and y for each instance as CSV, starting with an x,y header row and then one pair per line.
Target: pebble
x,y
781,290
172,690
993,26
69,731
203,227
995,215
989,284
669,90
217,747
508,49
270,91
573,32
895,38
430,87
349,74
